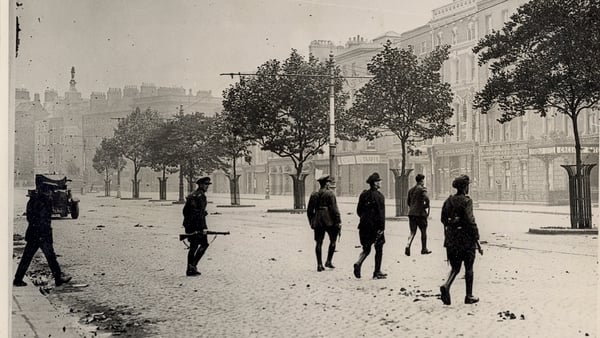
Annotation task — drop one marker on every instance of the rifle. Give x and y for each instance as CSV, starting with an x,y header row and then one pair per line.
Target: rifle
x,y
206,232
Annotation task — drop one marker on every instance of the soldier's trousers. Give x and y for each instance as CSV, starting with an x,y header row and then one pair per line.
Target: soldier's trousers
x,y
30,249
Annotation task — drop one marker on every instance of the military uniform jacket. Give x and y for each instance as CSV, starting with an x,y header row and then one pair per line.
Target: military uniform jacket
x,y
39,217
194,212
322,209
417,200
460,229
371,210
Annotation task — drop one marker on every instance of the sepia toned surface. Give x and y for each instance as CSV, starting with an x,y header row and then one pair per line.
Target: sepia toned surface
x,y
261,281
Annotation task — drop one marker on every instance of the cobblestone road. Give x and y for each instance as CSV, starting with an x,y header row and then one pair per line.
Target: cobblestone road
x,y
261,281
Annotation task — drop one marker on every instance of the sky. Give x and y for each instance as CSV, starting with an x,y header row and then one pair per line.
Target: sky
x,y
185,43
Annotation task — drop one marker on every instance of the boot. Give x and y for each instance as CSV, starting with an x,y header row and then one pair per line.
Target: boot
x,y
358,264
469,298
19,283
377,274
319,258
445,292
192,271
330,253
62,280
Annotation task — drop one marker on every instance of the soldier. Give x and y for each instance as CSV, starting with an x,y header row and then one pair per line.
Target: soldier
x,y
194,221
461,238
39,236
418,211
371,210
324,216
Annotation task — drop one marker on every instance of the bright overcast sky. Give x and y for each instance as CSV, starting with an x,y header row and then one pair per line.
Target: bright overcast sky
x,y
186,43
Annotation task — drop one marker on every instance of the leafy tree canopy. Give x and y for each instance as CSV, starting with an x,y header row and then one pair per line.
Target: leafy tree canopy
x,y
405,97
107,157
131,134
545,56
285,107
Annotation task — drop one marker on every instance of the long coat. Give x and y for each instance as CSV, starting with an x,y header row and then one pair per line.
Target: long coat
x,y
194,212
460,228
417,200
371,210
39,217
322,209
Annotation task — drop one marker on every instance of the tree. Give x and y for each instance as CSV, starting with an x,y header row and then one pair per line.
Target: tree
x,y
407,98
546,56
106,159
228,138
161,146
130,135
284,109
195,151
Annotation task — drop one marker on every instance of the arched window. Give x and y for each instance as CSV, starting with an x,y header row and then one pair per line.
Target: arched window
x,y
454,35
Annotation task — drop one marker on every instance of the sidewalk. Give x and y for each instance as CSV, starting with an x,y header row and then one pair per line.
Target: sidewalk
x,y
34,316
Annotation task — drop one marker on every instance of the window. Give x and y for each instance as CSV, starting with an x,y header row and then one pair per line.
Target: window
x,y
505,15
550,175
506,129
454,36
471,31
438,41
507,175
490,126
423,47
473,67
524,176
524,132
490,173
488,24
457,70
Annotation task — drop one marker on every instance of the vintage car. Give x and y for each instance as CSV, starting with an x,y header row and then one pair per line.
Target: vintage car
x,y
63,202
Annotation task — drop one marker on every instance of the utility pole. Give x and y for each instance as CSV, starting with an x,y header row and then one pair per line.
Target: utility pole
x,y
332,143
119,119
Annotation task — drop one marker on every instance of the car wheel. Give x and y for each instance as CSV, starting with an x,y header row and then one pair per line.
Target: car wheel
x,y
75,210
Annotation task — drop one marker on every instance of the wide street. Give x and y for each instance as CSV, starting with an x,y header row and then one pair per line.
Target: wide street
x,y
261,281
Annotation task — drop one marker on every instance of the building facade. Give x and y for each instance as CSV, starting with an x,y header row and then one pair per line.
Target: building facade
x,y
518,161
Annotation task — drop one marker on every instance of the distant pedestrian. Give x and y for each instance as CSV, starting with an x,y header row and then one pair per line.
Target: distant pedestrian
x,y
371,210
194,222
39,235
461,238
324,217
418,211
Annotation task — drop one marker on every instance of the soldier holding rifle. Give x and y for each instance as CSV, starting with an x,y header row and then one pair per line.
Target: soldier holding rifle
x,y
194,222
461,238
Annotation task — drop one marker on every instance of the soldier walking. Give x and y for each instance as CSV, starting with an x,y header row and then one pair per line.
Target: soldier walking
x,y
39,236
418,211
194,222
371,210
324,216
461,238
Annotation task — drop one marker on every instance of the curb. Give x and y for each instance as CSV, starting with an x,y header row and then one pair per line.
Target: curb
x,y
563,231
236,206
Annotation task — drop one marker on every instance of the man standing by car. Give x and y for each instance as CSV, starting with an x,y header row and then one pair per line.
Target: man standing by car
x,y
324,216
39,235
371,210
194,222
418,211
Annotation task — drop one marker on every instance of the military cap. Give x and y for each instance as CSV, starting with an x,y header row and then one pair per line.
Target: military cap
x,y
373,178
461,181
203,180
325,178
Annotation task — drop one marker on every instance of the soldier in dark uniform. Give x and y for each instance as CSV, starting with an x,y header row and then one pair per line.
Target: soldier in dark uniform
x,y
371,210
461,238
39,236
194,221
418,211
324,216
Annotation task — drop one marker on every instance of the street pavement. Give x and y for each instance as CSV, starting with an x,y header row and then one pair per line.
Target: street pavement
x,y
128,271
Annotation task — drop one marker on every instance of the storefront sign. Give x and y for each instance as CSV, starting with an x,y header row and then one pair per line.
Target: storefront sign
x,y
368,159
561,150
346,160
454,151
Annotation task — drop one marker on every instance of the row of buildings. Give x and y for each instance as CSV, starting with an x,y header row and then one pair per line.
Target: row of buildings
x,y
517,161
